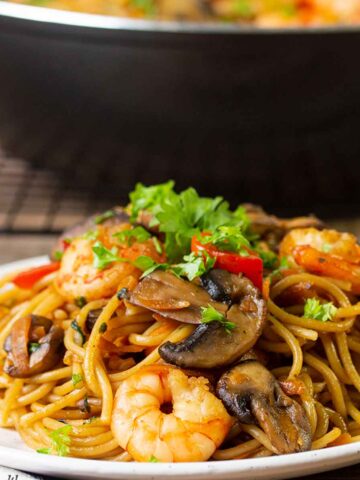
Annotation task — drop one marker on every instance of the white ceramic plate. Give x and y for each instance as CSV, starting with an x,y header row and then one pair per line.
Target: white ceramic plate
x,y
13,453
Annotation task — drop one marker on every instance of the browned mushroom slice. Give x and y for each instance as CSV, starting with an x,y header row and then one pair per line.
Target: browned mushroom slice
x,y
211,345
253,395
45,341
172,297
273,228
114,216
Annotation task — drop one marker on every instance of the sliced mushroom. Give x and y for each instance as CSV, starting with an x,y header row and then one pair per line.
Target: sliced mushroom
x,y
272,228
253,395
211,345
117,216
164,293
49,339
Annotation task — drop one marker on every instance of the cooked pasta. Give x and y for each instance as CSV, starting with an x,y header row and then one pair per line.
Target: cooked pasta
x,y
178,330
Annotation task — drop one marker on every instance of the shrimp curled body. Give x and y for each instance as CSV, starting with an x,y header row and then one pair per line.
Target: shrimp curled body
x,y
192,431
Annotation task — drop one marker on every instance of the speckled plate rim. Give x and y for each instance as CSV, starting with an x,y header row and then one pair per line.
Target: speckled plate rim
x,y
14,454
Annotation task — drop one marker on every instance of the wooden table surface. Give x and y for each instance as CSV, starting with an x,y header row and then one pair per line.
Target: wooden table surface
x,y
14,247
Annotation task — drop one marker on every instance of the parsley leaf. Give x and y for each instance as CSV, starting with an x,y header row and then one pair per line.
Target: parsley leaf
x,y
91,235
210,314
46,451
127,237
75,326
283,265
326,248
153,459
315,310
148,265
268,257
148,198
103,328
58,255
147,6
227,238
104,216
80,302
194,266
157,245
76,378
33,346
61,440
103,257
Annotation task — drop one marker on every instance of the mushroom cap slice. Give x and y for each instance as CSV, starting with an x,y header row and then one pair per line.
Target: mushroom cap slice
x,y
211,345
172,297
253,395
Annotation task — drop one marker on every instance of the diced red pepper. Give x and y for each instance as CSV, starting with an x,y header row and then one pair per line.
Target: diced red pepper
x,y
28,278
251,266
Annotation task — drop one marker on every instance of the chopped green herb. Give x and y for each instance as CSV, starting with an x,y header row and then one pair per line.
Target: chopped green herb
x,y
137,234
268,257
33,346
148,265
315,310
326,248
75,326
58,255
194,266
103,257
103,328
228,239
283,265
80,302
104,216
61,440
45,451
158,246
76,378
210,314
91,235
147,6
243,8
181,216
153,459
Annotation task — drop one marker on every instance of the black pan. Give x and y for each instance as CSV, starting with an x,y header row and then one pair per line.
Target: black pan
x,y
266,115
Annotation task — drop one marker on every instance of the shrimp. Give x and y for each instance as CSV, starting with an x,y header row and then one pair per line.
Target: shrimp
x,y
78,277
327,252
189,431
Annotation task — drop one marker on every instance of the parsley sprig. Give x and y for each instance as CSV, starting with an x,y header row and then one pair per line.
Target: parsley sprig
x,y
182,215
227,238
210,314
315,310
103,257
60,442
128,237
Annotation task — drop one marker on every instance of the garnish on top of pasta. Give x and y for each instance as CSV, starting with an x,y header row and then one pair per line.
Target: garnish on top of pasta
x,y
177,329
263,13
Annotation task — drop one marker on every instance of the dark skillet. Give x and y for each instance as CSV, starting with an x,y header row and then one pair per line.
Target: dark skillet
x,y
226,108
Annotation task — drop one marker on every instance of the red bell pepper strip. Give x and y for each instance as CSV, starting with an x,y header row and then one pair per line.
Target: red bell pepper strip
x,y
251,266
28,278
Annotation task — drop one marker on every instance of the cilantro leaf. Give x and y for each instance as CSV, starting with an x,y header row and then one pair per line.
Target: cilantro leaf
x,y
76,378
315,310
194,266
60,440
268,257
104,216
157,245
103,257
210,314
127,237
75,326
